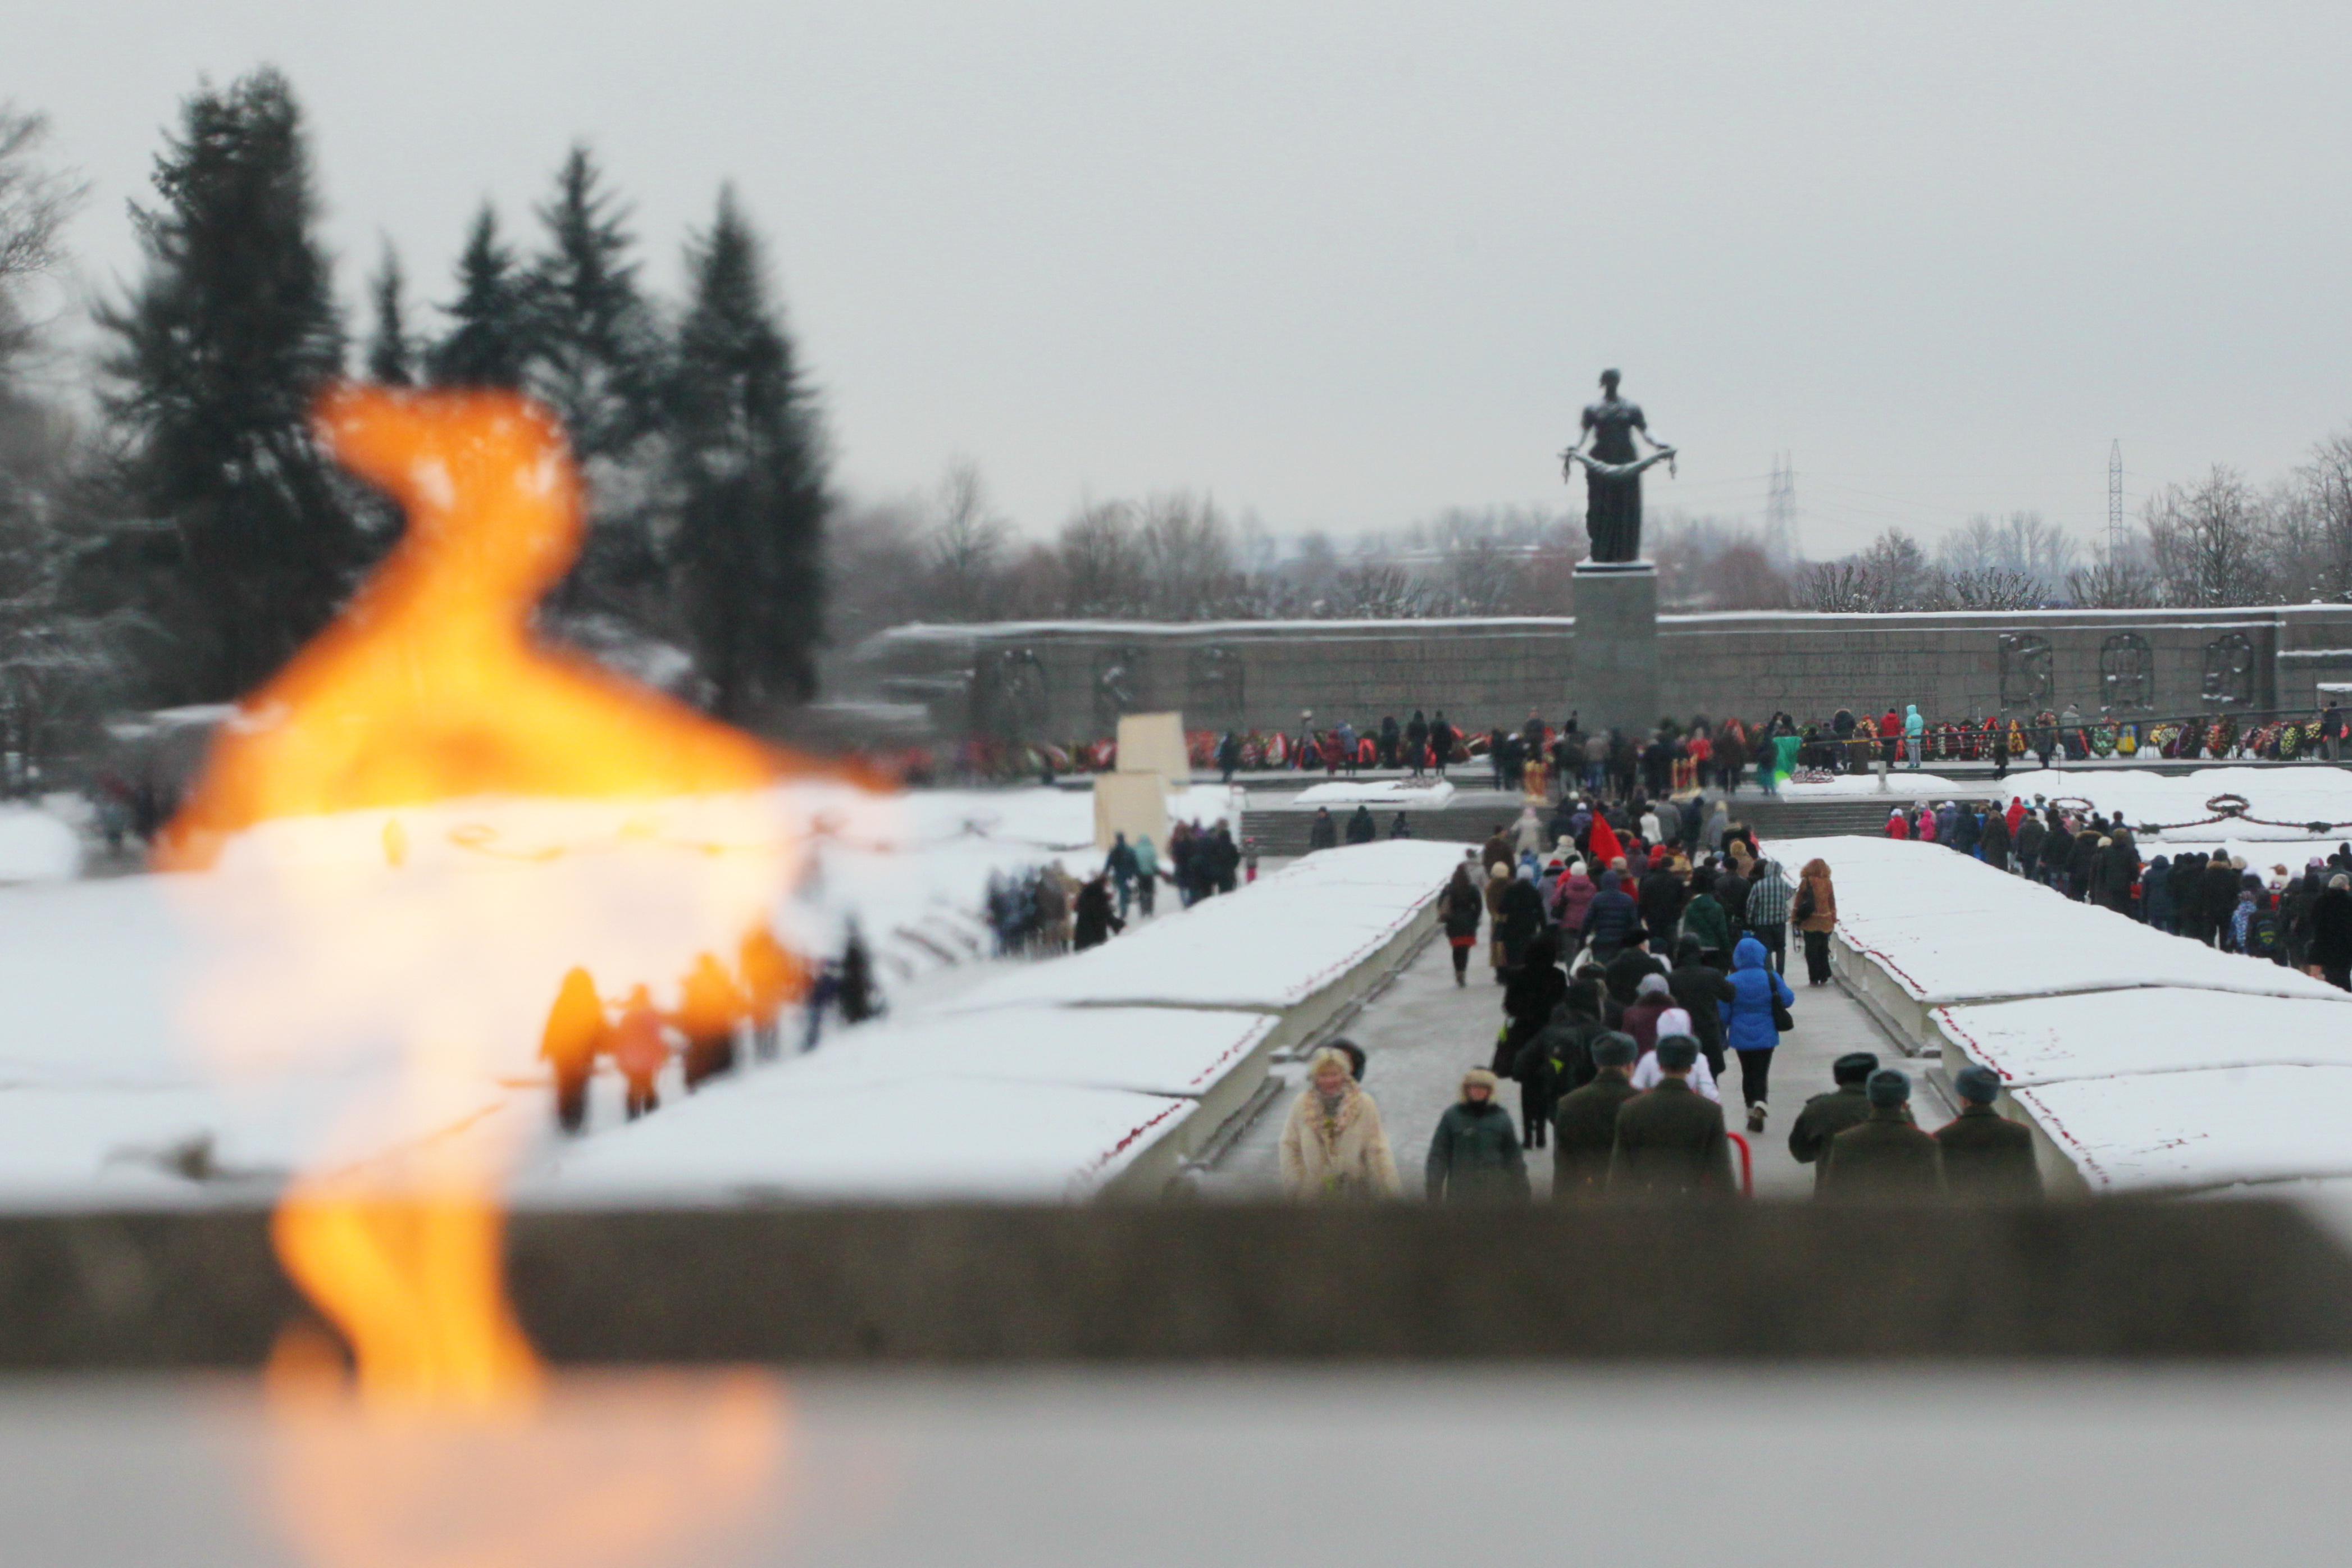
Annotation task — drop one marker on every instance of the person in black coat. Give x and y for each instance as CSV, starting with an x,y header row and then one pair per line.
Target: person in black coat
x,y
1555,1058
1623,975
1660,902
2081,856
1533,989
1993,842
1094,919
1416,741
2220,899
2186,883
1361,828
2119,870
1699,987
2057,852
2331,932
2030,831
1322,832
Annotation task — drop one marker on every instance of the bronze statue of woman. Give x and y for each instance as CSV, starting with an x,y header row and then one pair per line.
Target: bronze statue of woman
x,y
1612,472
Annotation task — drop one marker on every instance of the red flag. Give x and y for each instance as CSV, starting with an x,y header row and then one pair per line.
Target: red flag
x,y
1605,847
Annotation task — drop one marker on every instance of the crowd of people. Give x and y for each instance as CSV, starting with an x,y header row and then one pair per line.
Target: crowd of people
x,y
719,1004
1641,1124
2300,917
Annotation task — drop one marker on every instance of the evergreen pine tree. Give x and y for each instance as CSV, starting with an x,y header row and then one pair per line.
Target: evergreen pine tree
x,y
749,468
391,355
595,355
219,355
490,342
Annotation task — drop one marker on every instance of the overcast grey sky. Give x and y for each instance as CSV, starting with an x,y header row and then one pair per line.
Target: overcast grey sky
x,y
1345,264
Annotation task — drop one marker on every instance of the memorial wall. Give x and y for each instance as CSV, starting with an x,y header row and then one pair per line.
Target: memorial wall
x,y
1071,680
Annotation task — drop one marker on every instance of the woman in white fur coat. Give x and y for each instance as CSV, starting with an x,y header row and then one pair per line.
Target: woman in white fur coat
x,y
1333,1147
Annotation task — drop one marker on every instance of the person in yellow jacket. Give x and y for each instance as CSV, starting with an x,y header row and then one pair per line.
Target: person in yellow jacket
x,y
575,1033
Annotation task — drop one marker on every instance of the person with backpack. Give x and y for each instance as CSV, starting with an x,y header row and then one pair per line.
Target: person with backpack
x,y
2260,931
1814,911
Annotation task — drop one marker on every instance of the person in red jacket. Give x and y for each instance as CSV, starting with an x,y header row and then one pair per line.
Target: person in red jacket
x,y
1897,824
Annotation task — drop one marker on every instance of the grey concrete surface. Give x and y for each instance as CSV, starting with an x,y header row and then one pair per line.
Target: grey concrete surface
x,y
1425,1032
1936,1468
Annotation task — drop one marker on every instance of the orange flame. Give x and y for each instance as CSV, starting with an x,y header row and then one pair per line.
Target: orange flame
x,y
432,689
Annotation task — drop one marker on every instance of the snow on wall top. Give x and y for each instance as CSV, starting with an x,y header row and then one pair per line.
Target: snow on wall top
x,y
2159,1028
2293,795
1270,948
2154,1062
1950,929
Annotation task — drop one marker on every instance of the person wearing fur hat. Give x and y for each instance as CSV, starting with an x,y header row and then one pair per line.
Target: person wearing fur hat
x,y
1670,1140
1475,1156
1584,1129
1333,1147
1883,1155
1985,1155
1827,1115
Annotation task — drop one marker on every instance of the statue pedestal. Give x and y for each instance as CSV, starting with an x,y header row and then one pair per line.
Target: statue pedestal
x,y
1613,678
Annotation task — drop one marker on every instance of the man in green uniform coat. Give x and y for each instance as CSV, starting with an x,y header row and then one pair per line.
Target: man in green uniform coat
x,y
1586,1122
1827,1115
1883,1155
1670,1141
1475,1157
1987,1156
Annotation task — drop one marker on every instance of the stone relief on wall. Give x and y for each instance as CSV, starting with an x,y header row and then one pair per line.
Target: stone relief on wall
x,y
2025,680
2229,669
2127,674
1009,696
1213,689
1118,686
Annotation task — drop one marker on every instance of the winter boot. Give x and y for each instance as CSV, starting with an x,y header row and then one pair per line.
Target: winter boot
x,y
1756,1114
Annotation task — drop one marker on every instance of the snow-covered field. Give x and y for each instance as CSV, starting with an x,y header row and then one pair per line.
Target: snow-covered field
x,y
126,999
2152,1062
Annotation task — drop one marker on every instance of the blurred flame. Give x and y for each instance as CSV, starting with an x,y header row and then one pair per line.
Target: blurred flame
x,y
431,689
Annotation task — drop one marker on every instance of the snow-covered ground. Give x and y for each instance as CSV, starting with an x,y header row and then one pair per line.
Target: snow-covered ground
x,y
1422,794
117,1082
2153,1062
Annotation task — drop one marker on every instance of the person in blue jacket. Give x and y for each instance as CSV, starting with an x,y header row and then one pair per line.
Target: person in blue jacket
x,y
1748,1025
1914,729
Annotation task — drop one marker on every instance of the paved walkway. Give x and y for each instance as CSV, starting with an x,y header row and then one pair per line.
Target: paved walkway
x,y
1423,1033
